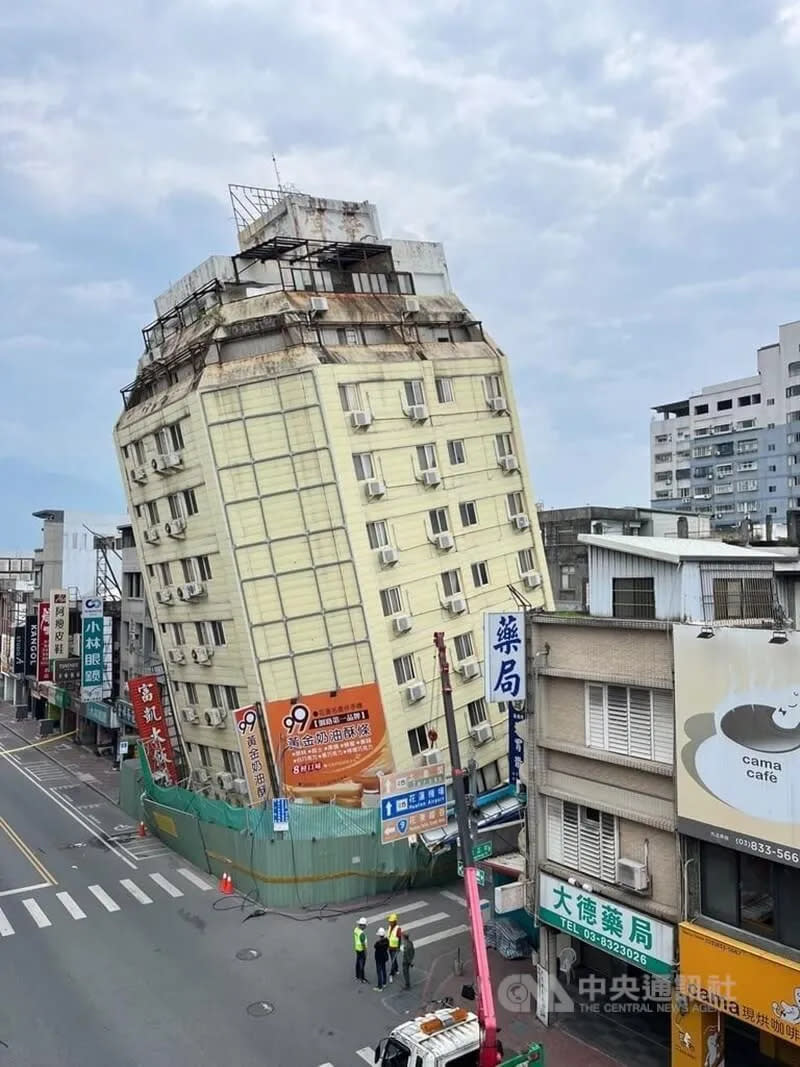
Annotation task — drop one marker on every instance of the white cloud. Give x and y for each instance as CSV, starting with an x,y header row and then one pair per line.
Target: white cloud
x,y
101,294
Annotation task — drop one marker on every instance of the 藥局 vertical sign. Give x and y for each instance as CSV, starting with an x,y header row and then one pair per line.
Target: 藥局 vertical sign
x,y
59,624
504,652
92,648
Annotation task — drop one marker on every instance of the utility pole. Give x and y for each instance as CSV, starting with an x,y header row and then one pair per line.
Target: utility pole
x,y
486,1014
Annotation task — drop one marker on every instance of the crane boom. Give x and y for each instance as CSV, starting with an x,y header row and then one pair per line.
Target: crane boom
x,y
489,1055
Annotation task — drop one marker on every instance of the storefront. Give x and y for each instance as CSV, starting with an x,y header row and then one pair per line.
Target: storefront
x,y
742,998
103,725
611,959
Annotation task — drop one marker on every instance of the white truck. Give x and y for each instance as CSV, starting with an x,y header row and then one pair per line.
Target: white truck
x,y
450,1037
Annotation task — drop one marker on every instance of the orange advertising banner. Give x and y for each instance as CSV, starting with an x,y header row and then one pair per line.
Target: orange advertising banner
x,y
331,745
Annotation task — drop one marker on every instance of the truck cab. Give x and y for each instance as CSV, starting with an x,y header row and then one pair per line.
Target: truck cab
x,y
446,1038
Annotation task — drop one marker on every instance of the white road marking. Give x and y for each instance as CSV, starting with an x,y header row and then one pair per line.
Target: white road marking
x,y
36,913
135,891
168,887
6,929
461,900
440,936
366,1053
402,910
25,889
104,898
425,921
71,906
195,879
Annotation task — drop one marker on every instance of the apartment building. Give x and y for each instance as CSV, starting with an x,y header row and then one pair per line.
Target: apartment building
x,y
732,451
606,859
324,465
16,591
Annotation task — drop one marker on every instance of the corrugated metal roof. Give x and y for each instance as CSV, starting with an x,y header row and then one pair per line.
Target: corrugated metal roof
x,y
675,549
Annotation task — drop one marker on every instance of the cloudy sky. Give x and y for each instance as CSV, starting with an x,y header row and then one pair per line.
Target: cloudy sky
x,y
616,184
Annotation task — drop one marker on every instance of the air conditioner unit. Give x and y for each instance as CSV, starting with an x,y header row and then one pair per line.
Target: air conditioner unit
x,y
431,477
374,487
509,463
176,655
415,692
411,305
522,522
159,464
498,403
401,623
632,874
138,474
191,590
430,758
214,716
317,305
191,714
202,653
469,668
532,579
481,733
240,786
224,780
173,460
200,775
359,420
457,604
418,412
152,535
175,527
444,541
388,556
164,596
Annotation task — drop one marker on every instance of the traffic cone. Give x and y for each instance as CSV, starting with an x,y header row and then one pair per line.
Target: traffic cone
x,y
226,884
142,830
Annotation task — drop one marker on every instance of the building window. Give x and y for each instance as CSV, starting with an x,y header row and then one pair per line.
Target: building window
x,y
632,722
426,457
414,391
204,754
469,513
444,390
210,633
350,396
503,445
582,838
170,438
488,777
463,646
663,457
701,409
187,566
191,692
233,763
378,534
190,501
773,511
525,561
456,453
750,445
724,405
204,568
493,384
231,697
177,633
138,451
771,488
348,336
743,598
770,448
439,520
567,578
405,669
480,574
515,505
363,466
633,598
133,583
418,740
215,696
152,512
476,712
451,583
391,601
703,450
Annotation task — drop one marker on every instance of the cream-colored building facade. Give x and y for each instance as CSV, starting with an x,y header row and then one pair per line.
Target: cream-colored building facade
x,y
324,465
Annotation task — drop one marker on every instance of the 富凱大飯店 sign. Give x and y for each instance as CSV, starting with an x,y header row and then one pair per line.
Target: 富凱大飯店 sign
x,y
630,935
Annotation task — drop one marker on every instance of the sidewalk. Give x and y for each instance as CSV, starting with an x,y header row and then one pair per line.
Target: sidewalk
x,y
96,772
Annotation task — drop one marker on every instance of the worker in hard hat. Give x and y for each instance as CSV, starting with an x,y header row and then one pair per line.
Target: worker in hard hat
x,y
381,958
360,946
394,934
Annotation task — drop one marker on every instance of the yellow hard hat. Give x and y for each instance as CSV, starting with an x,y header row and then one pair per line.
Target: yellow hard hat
x,y
393,918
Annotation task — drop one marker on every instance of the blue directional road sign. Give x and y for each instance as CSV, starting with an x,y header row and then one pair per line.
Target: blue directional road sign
x,y
280,814
412,802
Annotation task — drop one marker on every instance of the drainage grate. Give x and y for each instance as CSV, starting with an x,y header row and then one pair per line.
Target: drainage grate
x,y
260,1008
247,954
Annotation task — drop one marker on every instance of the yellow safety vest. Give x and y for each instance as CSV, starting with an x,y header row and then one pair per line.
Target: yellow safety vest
x,y
394,937
359,939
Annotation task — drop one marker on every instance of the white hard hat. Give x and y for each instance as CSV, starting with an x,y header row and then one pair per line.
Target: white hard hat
x,y
381,932
362,922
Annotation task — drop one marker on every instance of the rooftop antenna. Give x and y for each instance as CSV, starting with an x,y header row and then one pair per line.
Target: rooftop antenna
x,y
277,173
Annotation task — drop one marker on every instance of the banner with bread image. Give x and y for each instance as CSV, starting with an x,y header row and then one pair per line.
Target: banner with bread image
x,y
331,746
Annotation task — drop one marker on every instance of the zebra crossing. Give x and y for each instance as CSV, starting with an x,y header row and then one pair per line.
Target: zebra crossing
x,y
367,1054
436,920
19,915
